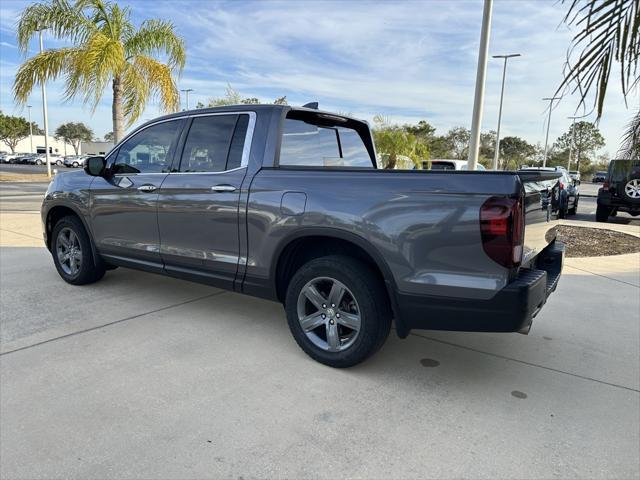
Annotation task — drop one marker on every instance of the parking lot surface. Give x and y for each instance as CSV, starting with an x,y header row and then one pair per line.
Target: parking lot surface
x,y
141,376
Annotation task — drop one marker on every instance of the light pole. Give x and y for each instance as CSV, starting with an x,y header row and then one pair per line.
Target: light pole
x,y
496,156
481,75
30,129
45,114
546,140
573,137
186,91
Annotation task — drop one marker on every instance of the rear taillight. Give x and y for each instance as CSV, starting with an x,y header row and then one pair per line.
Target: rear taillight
x,y
561,185
502,230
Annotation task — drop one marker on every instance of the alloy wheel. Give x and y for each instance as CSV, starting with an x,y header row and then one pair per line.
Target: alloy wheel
x,y
632,188
329,314
69,251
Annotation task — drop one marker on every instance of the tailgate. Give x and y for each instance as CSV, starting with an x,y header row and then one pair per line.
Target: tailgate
x,y
542,199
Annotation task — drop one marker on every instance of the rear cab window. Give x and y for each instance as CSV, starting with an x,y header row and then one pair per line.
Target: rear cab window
x,y
311,139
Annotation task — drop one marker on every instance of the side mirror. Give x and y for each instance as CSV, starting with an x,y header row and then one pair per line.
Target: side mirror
x,y
95,166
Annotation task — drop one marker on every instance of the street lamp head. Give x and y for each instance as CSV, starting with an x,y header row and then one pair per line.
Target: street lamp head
x,y
510,55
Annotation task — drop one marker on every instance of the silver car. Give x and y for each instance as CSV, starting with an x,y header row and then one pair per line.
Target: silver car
x,y
74,161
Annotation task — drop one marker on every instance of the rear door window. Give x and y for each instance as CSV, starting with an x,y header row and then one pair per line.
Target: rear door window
x,y
214,143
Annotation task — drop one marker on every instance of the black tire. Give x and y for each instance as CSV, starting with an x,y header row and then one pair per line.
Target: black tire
x,y
602,213
633,182
38,162
370,296
574,209
88,271
75,164
562,212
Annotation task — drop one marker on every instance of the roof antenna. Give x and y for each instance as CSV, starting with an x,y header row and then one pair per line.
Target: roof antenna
x,y
313,105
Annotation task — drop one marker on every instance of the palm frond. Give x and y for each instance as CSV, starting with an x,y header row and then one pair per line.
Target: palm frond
x,y
157,36
101,60
59,17
609,32
160,83
40,68
135,94
631,141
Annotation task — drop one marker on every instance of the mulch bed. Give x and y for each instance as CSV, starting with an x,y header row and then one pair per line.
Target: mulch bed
x,y
596,242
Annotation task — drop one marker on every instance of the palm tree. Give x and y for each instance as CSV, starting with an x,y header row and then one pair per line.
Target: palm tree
x,y
609,32
107,48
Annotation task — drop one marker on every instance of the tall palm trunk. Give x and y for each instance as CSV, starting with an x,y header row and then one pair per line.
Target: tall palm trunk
x,y
116,110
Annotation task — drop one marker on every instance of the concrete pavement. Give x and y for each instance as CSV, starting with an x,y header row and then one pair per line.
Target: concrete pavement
x,y
142,376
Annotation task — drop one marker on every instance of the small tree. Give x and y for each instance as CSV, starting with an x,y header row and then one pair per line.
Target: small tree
x,y
515,152
458,140
587,139
393,142
74,133
108,137
233,97
12,130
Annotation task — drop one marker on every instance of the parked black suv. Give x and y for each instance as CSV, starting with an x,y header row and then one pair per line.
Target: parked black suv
x,y
620,191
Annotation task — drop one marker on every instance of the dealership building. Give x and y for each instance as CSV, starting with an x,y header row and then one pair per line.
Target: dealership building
x,y
35,144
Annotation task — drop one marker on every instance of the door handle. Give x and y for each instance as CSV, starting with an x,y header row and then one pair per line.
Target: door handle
x,y
223,188
147,188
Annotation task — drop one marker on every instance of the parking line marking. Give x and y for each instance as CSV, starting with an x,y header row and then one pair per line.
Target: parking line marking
x,y
98,327
524,362
602,276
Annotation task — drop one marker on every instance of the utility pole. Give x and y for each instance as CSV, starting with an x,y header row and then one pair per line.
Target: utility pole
x,y
546,140
45,114
496,156
30,129
186,91
481,75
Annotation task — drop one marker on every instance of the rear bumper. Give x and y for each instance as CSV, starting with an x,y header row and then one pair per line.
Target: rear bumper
x,y
512,309
606,199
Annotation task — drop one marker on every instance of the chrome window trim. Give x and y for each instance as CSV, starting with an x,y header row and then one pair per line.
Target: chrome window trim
x,y
246,149
206,173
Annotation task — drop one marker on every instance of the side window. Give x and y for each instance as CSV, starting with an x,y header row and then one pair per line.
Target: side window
x,y
214,143
149,151
306,144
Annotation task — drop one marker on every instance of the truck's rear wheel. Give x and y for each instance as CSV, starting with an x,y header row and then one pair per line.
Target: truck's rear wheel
x,y
71,250
337,310
602,213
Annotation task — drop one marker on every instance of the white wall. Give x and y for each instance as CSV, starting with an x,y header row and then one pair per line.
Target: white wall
x,y
56,146
96,148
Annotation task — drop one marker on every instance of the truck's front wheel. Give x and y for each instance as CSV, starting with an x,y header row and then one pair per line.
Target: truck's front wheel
x,y
337,310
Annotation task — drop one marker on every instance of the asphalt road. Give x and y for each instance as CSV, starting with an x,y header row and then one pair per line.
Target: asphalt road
x,y
21,197
142,376
29,169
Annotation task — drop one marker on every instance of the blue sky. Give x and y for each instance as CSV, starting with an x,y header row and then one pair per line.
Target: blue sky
x,y
408,60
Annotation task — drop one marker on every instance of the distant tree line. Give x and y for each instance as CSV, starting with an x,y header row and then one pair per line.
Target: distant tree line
x,y
13,129
421,143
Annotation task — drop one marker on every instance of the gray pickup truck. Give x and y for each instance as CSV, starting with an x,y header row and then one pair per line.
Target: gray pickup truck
x,y
287,204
